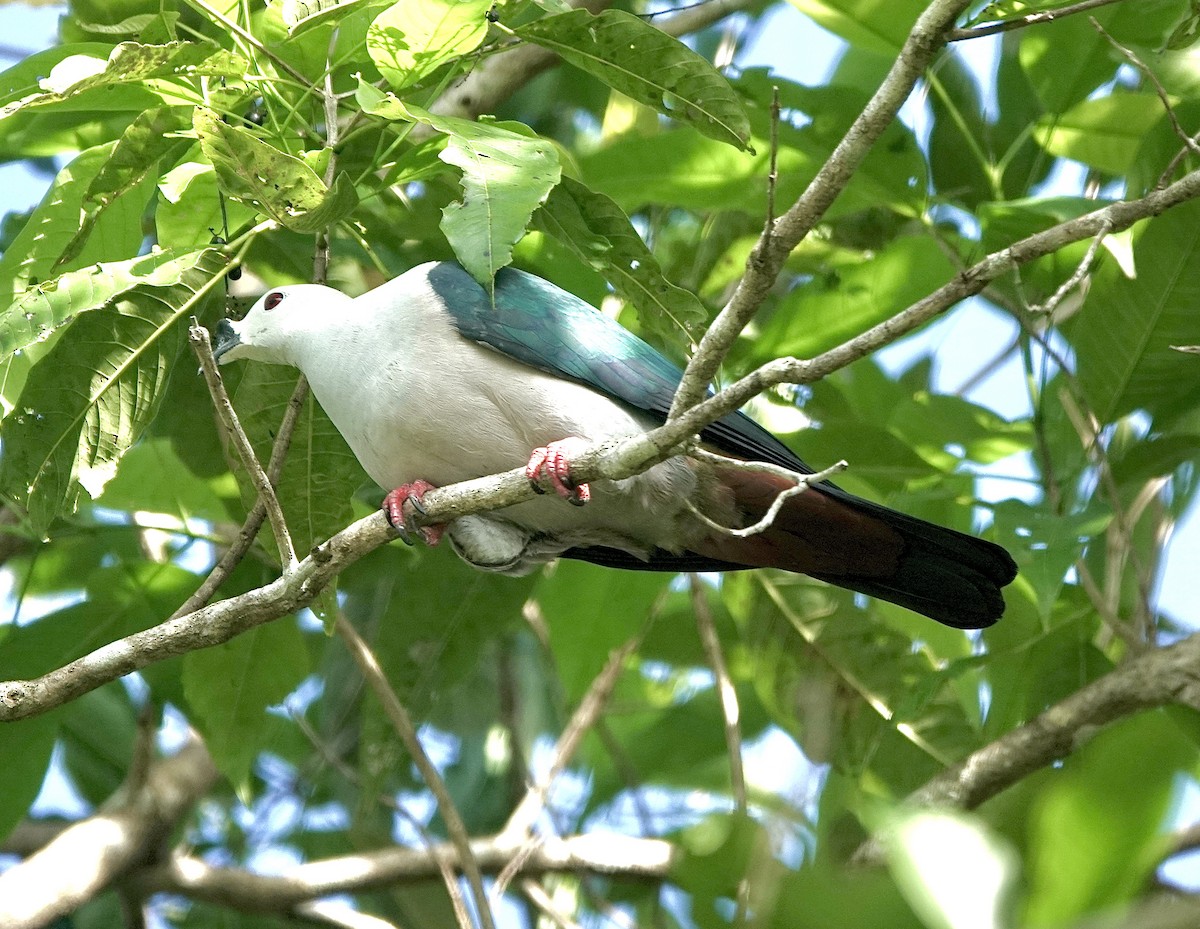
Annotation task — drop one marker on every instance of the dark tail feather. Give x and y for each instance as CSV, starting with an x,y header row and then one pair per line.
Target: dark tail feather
x,y
844,540
943,574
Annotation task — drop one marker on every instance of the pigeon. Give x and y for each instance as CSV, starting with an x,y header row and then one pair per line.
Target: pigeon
x,y
432,380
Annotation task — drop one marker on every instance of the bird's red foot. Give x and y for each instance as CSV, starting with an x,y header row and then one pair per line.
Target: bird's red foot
x,y
401,517
553,463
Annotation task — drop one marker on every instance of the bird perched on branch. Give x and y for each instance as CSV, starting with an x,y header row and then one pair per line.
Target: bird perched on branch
x,y
431,382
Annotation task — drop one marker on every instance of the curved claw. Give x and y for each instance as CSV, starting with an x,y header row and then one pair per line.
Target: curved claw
x,y
394,508
553,463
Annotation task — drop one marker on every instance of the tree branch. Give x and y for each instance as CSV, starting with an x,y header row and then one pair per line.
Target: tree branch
x,y
1165,676
613,460
614,855
89,855
1031,19
766,259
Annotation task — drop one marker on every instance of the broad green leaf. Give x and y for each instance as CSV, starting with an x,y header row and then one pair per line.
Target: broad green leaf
x,y
153,479
41,310
98,737
644,63
134,158
600,233
301,15
413,38
718,853
1061,81
944,428
828,310
507,172
132,66
875,25
281,185
1105,132
25,754
1124,333
1097,833
95,392
320,474
131,25
683,168
34,255
230,686
590,611
21,80
191,205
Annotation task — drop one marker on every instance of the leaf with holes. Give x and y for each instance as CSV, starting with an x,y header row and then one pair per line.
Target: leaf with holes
x,y
644,63
95,392
281,185
43,309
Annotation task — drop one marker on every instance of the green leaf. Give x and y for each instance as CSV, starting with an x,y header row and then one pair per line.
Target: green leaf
x,y
507,172
1061,81
646,64
25,753
98,736
230,686
1105,132
281,185
1124,333
600,233
874,25
133,159
681,168
413,38
191,204
129,63
590,611
828,310
320,474
1096,836
40,311
301,15
153,479
95,392
35,253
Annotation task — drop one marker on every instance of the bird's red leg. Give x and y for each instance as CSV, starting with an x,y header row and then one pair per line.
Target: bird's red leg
x,y
401,520
553,462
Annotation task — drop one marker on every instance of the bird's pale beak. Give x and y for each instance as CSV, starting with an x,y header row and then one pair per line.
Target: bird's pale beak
x,y
224,338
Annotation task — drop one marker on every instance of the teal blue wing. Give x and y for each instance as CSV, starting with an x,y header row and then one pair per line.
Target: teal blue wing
x,y
548,328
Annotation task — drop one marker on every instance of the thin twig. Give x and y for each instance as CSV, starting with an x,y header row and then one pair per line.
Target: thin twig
x,y
540,898
460,839
1132,57
803,482
773,172
520,823
1031,19
1081,271
925,40
254,519
198,336
726,692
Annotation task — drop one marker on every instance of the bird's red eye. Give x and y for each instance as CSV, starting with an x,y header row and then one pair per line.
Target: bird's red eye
x,y
273,300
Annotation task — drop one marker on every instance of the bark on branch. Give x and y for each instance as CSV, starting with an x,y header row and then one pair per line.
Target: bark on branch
x,y
615,855
88,856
